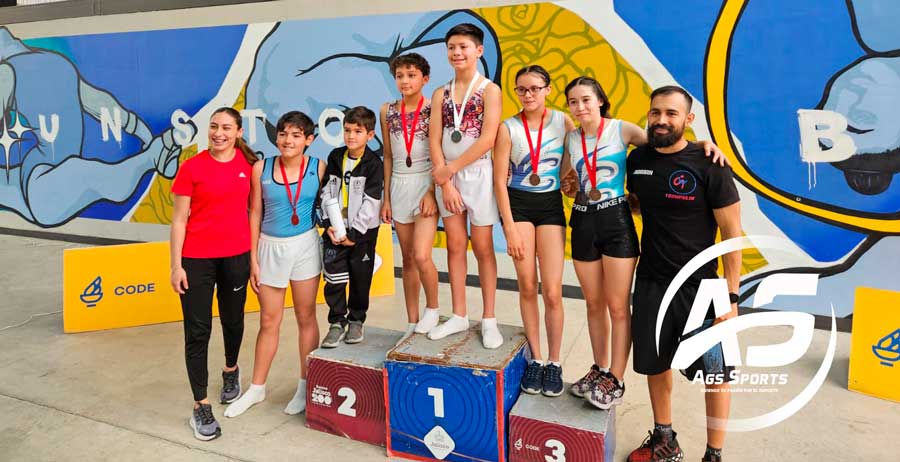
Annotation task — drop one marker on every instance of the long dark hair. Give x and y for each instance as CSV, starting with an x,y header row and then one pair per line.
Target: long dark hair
x,y
246,150
598,90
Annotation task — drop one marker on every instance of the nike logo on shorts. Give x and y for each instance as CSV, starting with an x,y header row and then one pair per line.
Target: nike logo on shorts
x,y
238,288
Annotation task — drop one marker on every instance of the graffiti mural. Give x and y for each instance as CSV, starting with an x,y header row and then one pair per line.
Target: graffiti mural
x,y
799,94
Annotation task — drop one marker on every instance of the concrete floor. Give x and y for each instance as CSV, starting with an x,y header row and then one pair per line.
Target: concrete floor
x,y
123,394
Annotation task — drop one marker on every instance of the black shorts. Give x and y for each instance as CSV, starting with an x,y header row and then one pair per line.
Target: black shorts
x,y
601,229
537,208
648,294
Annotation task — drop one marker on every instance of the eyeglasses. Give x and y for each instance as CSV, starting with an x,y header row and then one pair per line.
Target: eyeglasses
x,y
522,91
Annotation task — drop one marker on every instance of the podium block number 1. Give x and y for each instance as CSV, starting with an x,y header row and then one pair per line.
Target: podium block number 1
x,y
346,407
557,451
438,395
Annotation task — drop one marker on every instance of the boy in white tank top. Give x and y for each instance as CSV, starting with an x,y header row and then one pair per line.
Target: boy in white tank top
x,y
463,128
409,201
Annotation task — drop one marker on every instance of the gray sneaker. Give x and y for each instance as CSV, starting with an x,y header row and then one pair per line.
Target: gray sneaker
x,y
231,386
204,424
355,332
334,336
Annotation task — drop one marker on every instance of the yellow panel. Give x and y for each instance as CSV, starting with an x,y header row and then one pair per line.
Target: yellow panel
x,y
875,344
133,287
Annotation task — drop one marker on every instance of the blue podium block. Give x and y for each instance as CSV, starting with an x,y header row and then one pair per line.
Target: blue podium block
x,y
450,399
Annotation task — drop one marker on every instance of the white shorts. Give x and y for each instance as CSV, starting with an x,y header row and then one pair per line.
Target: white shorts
x,y
475,184
407,190
285,259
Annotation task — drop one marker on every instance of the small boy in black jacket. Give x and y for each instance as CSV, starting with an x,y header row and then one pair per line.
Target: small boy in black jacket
x,y
355,177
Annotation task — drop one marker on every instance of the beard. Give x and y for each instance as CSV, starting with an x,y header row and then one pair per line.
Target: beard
x,y
656,140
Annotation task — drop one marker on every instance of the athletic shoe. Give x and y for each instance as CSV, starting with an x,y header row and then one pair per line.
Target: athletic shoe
x,y
552,380
711,458
657,448
531,381
606,392
334,336
231,386
583,386
204,424
355,332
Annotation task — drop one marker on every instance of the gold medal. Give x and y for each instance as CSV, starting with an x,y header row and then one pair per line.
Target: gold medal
x,y
344,213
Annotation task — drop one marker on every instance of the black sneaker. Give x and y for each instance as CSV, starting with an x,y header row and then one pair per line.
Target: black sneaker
x,y
531,381
204,424
657,447
606,392
711,458
583,386
231,386
552,381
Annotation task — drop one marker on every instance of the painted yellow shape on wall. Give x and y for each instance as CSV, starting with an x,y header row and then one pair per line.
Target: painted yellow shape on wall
x,y
875,344
128,285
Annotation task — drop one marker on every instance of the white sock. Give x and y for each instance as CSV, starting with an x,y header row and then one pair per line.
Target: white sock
x,y
537,361
298,402
254,394
490,335
428,321
555,363
410,329
451,326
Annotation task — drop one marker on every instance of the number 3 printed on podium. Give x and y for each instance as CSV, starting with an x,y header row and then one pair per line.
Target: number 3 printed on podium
x,y
558,453
438,395
346,407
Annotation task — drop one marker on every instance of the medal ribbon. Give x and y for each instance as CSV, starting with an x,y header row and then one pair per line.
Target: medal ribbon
x,y
534,153
293,200
592,168
409,137
458,116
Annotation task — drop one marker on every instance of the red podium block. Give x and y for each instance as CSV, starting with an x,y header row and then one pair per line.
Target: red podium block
x,y
565,428
345,388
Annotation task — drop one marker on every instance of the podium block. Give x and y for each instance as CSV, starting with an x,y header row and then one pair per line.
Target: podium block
x,y
565,428
345,387
449,399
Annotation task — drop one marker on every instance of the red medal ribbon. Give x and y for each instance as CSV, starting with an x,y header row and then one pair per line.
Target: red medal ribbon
x,y
592,168
293,200
535,153
409,133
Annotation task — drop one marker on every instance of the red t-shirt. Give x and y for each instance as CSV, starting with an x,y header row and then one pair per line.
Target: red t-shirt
x,y
219,224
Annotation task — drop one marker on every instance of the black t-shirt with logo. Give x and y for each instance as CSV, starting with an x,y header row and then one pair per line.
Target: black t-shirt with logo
x,y
678,193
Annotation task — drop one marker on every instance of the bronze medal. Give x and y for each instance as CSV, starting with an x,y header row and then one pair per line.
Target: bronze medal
x,y
408,162
595,194
534,179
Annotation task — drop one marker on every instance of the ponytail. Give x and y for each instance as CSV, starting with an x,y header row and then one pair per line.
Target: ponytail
x,y
246,150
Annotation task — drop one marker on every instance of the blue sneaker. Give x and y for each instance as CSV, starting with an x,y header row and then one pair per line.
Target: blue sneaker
x,y
532,381
552,380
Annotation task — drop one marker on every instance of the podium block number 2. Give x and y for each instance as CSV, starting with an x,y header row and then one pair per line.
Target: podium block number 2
x,y
438,395
346,407
558,451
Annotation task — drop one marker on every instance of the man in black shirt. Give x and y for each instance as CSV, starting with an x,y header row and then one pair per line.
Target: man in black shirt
x,y
683,199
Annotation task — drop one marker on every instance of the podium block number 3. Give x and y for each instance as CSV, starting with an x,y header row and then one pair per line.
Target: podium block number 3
x,y
558,451
346,407
438,395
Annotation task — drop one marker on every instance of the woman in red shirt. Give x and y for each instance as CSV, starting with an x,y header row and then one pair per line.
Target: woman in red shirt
x,y
210,247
